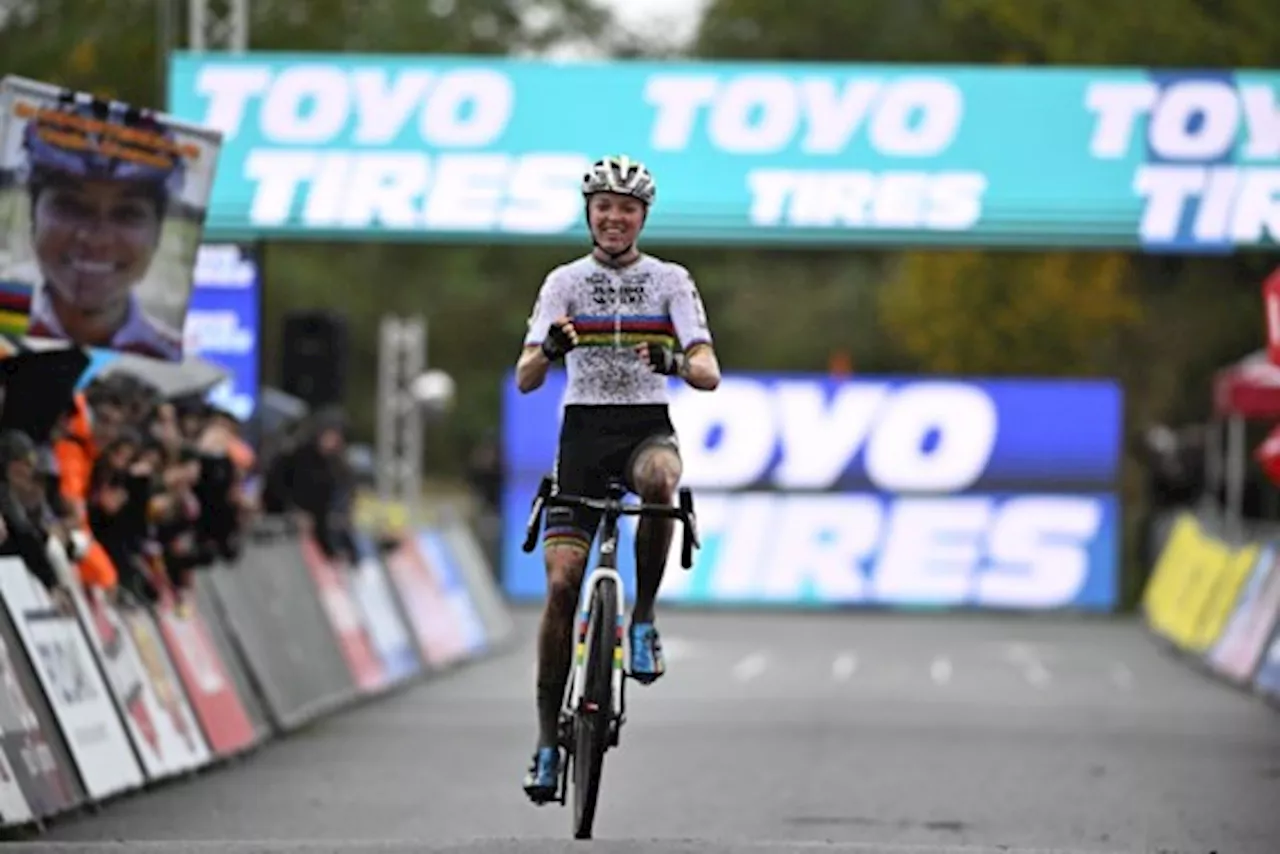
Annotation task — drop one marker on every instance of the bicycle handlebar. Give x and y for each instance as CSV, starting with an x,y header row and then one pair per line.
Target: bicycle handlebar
x,y
684,513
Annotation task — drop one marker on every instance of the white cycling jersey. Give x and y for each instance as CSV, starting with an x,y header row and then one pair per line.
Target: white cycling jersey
x,y
613,310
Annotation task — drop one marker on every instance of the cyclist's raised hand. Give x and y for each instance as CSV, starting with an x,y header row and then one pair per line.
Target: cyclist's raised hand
x,y
561,338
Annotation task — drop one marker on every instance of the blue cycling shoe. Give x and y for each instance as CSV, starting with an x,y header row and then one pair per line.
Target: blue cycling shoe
x,y
543,780
647,663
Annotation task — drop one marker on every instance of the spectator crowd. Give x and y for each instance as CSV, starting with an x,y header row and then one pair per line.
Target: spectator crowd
x,y
132,493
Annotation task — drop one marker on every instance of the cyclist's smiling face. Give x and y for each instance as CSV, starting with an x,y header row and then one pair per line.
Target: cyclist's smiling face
x,y
95,241
615,220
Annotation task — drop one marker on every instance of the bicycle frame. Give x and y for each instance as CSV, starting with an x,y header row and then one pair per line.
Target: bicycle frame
x,y
607,568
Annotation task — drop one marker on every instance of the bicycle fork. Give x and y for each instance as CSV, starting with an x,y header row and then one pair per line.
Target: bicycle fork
x,y
575,703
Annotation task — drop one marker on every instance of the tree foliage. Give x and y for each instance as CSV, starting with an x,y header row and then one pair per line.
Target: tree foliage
x,y
1045,315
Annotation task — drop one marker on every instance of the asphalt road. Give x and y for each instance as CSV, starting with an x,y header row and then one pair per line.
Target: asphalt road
x,y
772,733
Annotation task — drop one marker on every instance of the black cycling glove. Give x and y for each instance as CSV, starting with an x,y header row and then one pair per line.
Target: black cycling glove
x,y
557,343
665,360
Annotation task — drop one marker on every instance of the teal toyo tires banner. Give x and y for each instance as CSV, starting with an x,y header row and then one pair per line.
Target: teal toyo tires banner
x,y
382,147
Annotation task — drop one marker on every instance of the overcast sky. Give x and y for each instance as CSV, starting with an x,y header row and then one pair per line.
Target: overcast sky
x,y
678,17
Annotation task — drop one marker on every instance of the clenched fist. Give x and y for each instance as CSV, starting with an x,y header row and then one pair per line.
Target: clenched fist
x,y
561,338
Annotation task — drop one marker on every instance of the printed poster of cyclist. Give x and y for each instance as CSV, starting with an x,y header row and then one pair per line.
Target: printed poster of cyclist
x,y
102,210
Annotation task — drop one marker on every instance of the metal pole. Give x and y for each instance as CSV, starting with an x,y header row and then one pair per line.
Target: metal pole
x,y
1235,477
401,359
1212,466
411,420
387,330
218,25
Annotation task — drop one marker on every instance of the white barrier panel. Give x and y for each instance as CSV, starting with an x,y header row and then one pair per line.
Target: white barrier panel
x,y
69,677
479,577
45,775
449,577
441,638
387,629
184,739
13,803
157,736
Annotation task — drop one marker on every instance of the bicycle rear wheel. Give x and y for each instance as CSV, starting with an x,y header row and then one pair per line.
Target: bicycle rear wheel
x,y
591,721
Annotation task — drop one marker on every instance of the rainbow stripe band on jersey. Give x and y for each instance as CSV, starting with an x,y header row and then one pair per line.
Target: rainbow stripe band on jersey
x,y
612,330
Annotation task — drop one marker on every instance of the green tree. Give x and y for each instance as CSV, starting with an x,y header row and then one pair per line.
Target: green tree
x,y
112,49
1047,315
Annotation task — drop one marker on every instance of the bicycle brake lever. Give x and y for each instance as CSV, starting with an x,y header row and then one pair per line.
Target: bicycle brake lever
x,y
690,519
531,530
535,514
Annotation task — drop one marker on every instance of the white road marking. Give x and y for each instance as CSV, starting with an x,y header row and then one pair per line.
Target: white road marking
x,y
750,667
1036,674
940,670
1025,658
843,668
1122,676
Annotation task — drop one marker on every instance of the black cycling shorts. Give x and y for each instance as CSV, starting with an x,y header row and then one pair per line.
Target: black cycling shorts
x,y
599,443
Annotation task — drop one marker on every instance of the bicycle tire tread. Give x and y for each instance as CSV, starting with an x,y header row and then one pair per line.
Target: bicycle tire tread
x,y
592,730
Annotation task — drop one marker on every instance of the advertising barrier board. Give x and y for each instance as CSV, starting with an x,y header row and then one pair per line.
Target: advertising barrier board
x,y
345,618
172,697
1244,640
387,629
480,578
14,808
214,698
1267,679
218,633
69,677
29,737
434,548
1195,584
441,637
272,609
165,739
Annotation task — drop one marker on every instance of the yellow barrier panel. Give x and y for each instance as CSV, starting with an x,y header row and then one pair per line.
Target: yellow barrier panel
x,y
1195,584
1171,596
1167,578
385,518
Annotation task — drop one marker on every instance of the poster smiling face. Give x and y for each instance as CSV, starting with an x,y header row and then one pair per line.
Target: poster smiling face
x,y
102,209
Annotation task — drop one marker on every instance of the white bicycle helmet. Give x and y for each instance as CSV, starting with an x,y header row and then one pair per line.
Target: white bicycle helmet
x,y
620,175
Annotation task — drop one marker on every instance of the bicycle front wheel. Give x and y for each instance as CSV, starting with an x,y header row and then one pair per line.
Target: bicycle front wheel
x,y
591,721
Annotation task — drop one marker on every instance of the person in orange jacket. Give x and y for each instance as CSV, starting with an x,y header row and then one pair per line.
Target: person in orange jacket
x,y
75,448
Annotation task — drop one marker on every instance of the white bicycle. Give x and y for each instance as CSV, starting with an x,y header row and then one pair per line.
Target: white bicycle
x,y
595,696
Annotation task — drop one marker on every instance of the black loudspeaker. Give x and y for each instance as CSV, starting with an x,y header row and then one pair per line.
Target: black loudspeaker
x,y
314,357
